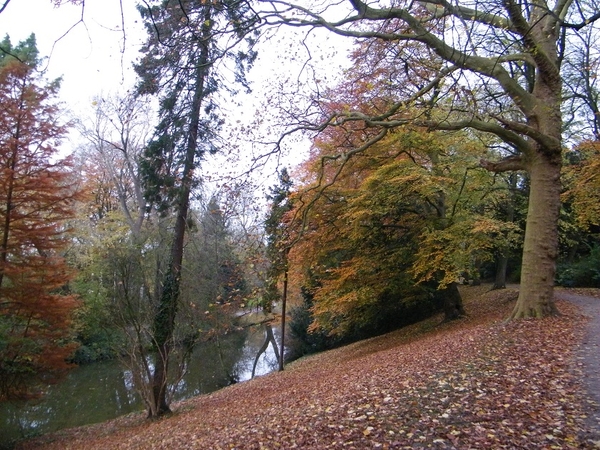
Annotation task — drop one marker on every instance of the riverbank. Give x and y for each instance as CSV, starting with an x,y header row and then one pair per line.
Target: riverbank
x,y
475,383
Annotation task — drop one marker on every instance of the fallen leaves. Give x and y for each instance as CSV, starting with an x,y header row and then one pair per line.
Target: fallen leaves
x,y
476,383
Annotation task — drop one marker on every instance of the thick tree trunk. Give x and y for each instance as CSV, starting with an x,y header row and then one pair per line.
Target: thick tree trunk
x,y
536,296
452,302
501,267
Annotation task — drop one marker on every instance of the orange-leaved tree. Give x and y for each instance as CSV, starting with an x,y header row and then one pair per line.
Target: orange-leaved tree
x,y
392,216
505,71
36,196
400,225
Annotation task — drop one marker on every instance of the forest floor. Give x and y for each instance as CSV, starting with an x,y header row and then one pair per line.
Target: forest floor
x,y
476,383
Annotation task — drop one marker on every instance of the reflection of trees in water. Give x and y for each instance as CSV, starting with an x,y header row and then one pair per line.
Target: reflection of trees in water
x,y
89,394
269,339
211,365
104,390
261,352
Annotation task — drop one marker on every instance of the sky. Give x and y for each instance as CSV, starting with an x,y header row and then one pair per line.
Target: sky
x,y
84,47
88,49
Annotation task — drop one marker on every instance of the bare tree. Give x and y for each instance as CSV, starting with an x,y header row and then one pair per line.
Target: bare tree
x,y
118,134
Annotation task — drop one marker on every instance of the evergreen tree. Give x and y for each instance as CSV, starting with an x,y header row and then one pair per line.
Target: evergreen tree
x,y
276,238
186,41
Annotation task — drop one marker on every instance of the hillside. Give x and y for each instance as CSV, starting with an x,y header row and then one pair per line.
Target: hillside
x,y
476,383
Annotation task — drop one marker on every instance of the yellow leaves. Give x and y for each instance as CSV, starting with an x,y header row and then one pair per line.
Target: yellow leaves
x,y
458,248
583,182
408,209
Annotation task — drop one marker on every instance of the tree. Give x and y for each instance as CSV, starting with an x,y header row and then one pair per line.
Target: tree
x,y
276,238
185,41
117,136
117,244
402,223
584,185
37,193
501,74
278,248
215,273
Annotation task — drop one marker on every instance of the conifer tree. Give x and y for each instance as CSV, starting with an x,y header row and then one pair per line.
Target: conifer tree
x,y
186,42
36,196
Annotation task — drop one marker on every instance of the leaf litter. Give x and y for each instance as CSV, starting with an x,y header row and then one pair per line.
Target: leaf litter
x,y
479,382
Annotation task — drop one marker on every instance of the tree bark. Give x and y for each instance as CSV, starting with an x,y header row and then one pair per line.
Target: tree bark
x,y
283,313
164,322
452,302
502,258
501,267
536,296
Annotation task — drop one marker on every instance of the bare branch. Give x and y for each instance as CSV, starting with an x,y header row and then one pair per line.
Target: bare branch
x,y
4,5
510,163
441,8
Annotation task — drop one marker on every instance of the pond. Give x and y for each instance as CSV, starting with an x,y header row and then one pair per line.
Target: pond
x,y
104,390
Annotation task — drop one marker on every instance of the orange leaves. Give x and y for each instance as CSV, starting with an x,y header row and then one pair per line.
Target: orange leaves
x,y
475,383
37,194
408,210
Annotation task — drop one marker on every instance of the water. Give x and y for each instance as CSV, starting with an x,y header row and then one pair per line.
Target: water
x,y
104,390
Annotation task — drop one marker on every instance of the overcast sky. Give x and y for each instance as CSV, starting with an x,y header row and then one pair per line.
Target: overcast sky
x,y
92,56
90,51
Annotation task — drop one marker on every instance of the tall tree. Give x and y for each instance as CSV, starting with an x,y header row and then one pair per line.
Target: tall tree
x,y
500,71
36,197
186,41
277,240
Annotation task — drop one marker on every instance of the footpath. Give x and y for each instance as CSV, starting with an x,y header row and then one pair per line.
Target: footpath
x,y
589,356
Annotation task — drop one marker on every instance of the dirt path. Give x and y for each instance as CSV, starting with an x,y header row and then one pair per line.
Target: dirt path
x,y
589,356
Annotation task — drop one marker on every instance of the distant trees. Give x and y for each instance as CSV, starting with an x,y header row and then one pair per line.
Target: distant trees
x,y
580,224
37,195
278,239
584,184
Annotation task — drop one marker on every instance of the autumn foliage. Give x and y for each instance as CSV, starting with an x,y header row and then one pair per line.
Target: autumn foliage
x,y
387,221
36,196
583,180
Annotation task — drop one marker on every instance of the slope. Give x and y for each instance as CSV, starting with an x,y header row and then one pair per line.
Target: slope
x,y
479,382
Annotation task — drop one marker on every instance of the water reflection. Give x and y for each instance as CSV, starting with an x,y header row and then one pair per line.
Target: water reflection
x,y
102,391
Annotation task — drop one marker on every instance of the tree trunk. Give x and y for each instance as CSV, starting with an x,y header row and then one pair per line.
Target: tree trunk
x,y
164,322
164,327
283,313
540,248
501,267
452,302
502,259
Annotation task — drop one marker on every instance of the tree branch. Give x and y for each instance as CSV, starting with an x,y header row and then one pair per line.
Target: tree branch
x,y
441,8
489,67
504,165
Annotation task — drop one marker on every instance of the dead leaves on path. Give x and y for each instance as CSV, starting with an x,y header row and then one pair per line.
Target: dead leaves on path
x,y
478,383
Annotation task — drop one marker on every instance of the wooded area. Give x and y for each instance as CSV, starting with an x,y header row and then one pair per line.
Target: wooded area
x,y
461,144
